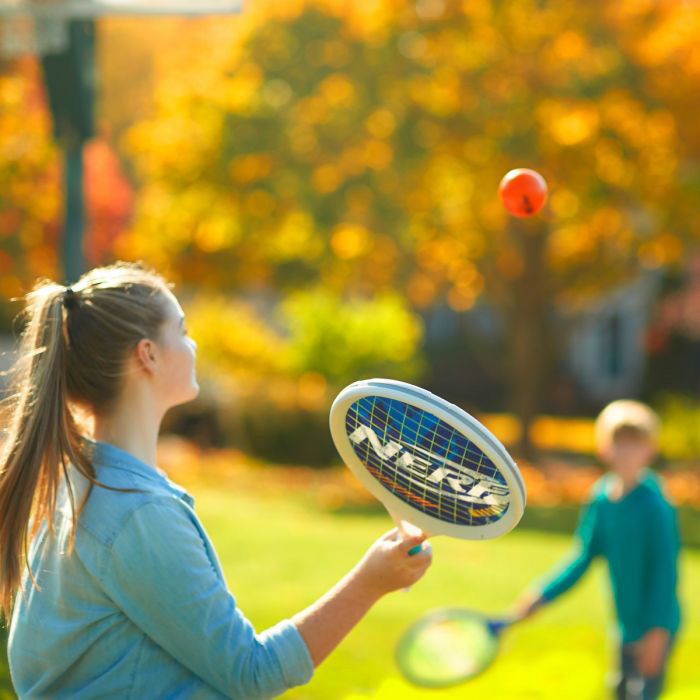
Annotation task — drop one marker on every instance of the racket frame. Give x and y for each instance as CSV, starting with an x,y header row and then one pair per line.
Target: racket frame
x,y
456,418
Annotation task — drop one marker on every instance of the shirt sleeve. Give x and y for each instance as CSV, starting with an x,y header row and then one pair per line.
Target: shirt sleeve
x,y
163,575
664,545
586,548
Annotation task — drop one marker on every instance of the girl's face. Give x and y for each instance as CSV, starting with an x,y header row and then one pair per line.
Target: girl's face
x,y
176,378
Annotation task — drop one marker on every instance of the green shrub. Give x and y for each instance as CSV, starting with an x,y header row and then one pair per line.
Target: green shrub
x,y
680,427
350,339
287,435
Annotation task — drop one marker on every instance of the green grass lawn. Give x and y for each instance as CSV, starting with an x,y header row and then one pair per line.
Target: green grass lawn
x,y
279,555
281,552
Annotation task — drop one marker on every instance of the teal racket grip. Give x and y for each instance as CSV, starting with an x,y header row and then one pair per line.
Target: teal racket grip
x,y
419,547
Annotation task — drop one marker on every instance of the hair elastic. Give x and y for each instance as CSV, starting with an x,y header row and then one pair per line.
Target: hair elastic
x,y
70,299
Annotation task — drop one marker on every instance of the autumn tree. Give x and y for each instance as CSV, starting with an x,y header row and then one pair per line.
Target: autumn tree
x,y
29,183
360,146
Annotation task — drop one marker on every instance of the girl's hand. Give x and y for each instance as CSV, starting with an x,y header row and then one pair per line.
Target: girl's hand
x,y
387,565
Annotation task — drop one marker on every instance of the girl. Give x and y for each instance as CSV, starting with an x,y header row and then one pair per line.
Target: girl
x,y
113,586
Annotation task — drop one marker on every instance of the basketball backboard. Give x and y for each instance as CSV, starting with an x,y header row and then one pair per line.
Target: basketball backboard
x,y
74,9
40,26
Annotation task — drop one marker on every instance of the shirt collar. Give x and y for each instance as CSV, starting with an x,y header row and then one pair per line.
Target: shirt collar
x,y
110,456
645,479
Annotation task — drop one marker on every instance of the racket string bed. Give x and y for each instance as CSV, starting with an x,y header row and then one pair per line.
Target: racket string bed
x,y
446,647
377,468
426,462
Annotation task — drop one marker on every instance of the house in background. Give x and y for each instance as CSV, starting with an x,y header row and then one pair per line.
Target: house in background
x,y
606,347
639,340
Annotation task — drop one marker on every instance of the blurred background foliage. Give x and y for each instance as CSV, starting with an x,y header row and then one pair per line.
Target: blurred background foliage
x,y
319,178
273,368
361,148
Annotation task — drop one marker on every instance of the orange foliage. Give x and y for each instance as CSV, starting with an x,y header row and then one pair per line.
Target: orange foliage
x,y
30,182
108,198
296,116
553,484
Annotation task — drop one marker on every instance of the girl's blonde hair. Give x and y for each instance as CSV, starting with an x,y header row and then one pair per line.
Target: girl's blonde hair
x,y
72,355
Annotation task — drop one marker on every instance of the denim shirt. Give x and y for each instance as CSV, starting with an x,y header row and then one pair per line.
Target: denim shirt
x,y
139,608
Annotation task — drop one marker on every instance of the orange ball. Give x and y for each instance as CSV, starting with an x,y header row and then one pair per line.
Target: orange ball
x,y
523,192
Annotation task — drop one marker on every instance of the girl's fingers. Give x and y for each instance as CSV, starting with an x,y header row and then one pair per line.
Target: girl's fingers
x,y
391,536
411,542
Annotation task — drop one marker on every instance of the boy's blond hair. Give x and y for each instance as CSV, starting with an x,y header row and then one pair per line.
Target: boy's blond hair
x,y
625,413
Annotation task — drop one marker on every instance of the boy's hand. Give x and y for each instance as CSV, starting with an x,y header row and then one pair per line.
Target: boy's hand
x,y
526,605
650,651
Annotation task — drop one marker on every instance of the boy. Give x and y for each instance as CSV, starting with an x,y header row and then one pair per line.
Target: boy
x,y
629,522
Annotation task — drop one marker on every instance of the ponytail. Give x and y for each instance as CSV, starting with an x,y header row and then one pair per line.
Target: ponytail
x,y
42,437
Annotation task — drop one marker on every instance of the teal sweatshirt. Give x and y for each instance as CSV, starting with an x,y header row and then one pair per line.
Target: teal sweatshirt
x,y
638,536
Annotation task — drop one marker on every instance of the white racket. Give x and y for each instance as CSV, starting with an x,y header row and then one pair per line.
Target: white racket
x,y
429,462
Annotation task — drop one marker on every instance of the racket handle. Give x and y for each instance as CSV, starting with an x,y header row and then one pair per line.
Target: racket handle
x,y
413,551
498,625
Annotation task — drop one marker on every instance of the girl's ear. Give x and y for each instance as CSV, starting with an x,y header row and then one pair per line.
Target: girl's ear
x,y
146,355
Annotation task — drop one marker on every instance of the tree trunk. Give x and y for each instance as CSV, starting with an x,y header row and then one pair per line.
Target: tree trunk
x,y
527,330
